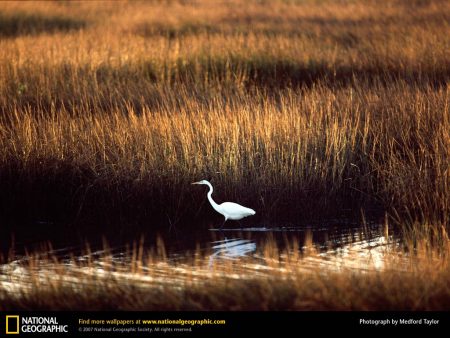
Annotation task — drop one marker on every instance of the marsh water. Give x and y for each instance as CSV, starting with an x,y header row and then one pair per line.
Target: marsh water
x,y
350,245
167,257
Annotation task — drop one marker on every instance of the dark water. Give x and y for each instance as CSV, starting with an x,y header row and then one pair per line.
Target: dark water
x,y
334,247
230,242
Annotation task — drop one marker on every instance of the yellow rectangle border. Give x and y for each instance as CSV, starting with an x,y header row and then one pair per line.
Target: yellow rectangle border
x,y
7,321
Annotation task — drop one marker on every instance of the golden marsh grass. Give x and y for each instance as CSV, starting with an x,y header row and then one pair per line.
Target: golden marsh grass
x,y
290,107
301,110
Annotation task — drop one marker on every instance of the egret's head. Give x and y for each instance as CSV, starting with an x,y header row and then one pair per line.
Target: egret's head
x,y
201,182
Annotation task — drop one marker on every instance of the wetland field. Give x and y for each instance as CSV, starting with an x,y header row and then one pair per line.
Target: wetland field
x,y
330,119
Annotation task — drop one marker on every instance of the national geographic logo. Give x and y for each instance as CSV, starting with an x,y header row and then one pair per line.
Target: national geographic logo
x,y
12,324
15,325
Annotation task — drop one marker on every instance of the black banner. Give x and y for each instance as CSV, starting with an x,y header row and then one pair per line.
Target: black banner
x,y
192,324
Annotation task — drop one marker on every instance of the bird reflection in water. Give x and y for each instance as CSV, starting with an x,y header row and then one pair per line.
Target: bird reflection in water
x,y
231,249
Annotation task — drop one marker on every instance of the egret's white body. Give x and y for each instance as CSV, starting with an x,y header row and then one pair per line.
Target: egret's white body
x,y
229,210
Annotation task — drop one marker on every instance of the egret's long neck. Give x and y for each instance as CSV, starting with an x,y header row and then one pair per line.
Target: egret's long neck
x,y
214,204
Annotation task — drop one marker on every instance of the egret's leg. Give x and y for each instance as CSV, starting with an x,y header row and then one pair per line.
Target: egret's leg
x,y
223,224
242,227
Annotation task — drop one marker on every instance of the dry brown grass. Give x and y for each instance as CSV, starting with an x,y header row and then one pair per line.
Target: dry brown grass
x,y
291,108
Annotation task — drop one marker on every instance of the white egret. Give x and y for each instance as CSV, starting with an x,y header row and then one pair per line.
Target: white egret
x,y
229,210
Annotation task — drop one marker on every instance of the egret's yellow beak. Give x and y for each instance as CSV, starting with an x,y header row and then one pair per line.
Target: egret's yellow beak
x,y
196,182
